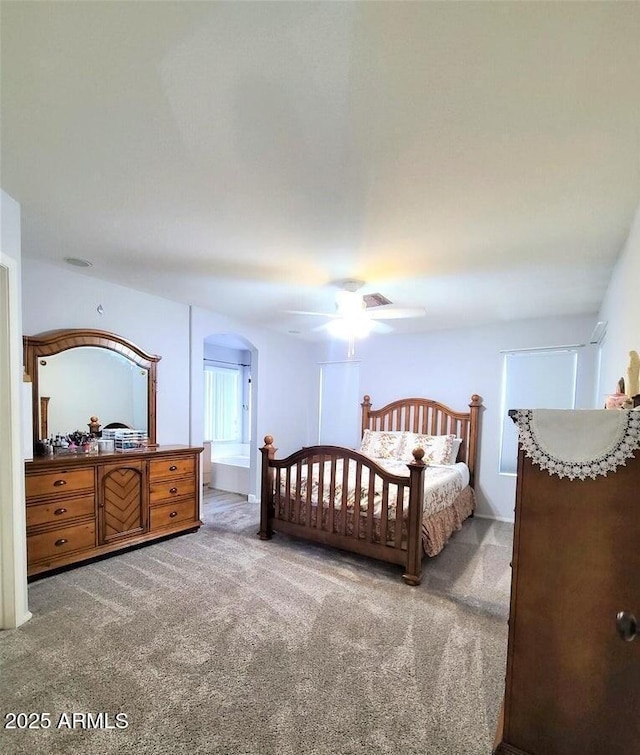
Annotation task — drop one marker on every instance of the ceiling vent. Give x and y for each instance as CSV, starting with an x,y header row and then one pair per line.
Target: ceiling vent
x,y
78,262
375,300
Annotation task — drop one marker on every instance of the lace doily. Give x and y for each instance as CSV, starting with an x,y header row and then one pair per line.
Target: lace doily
x,y
578,443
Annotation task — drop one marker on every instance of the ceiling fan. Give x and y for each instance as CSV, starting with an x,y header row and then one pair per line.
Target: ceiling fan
x,y
358,314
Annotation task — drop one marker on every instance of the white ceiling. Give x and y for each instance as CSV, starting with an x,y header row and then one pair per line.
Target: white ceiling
x,y
479,159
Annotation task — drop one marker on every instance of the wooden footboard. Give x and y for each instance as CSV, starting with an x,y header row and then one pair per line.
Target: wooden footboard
x,y
339,497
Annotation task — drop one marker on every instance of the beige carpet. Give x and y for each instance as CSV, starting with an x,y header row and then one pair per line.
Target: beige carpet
x,y
216,642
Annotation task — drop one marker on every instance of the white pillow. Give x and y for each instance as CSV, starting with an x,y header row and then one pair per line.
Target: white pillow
x,y
438,449
381,444
457,442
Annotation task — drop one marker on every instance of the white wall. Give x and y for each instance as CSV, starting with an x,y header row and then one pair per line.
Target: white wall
x,y
621,310
13,551
450,366
59,298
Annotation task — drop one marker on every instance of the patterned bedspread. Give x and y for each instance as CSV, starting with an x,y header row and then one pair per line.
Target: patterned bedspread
x,y
442,485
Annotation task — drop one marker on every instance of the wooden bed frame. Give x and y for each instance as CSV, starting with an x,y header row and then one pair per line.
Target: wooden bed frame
x,y
293,513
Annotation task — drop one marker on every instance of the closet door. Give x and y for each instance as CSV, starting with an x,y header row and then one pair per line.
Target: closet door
x,y
573,680
123,501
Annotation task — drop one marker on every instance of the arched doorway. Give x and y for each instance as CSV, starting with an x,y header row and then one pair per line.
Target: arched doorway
x,y
230,370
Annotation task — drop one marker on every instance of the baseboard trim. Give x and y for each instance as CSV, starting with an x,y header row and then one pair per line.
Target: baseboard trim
x,y
493,518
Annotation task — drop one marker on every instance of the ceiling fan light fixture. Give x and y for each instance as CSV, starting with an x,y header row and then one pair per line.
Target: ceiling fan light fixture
x,y
350,304
348,328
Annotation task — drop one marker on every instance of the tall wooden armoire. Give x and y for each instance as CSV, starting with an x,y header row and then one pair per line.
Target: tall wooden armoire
x,y
573,662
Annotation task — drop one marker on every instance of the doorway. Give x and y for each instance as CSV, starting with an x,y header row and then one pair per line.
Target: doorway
x,y
229,365
13,581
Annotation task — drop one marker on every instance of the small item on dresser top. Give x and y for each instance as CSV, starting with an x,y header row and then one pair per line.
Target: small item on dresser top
x,y
616,401
125,439
46,446
633,374
106,446
41,448
89,446
619,399
60,442
94,426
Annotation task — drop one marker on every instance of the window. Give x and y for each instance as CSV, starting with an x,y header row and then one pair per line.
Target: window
x,y
223,403
534,379
339,404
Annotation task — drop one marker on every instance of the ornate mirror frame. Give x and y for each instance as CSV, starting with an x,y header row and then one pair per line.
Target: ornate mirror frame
x,y
55,341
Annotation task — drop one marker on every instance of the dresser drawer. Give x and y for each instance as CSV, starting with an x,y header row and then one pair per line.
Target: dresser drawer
x,y
172,513
172,467
55,512
168,489
49,545
64,481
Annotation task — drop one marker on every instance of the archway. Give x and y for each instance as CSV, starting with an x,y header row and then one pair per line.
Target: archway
x,y
230,425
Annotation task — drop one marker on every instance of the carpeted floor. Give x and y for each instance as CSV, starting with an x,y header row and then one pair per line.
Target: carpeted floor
x,y
218,643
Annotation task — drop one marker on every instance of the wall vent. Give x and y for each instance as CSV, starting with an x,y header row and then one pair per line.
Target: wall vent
x,y
599,332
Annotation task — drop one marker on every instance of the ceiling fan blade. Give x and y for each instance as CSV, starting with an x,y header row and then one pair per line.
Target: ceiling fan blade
x,y
315,314
376,327
381,327
395,313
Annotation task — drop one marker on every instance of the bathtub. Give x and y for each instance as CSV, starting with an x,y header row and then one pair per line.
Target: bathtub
x,y
230,469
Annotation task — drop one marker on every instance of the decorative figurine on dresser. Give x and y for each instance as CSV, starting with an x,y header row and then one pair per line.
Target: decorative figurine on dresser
x,y
573,660
88,499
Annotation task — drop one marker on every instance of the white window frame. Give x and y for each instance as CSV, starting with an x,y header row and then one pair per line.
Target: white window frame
x,y
235,433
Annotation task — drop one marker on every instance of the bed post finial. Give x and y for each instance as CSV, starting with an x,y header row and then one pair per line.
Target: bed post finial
x,y
413,565
418,456
366,406
266,491
474,419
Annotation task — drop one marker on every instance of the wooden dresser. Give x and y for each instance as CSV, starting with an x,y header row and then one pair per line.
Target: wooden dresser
x,y
573,664
82,506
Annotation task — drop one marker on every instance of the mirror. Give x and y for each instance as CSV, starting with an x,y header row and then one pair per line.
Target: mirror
x,y
80,374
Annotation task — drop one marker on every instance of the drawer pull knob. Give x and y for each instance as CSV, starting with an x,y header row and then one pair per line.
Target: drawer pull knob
x,y
173,490
627,626
172,468
173,513
62,541
58,483
57,512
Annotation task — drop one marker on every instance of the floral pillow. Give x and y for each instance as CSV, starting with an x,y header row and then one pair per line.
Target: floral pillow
x,y
438,449
381,444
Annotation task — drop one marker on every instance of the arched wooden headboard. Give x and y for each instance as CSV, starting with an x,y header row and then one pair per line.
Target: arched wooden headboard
x,y
429,417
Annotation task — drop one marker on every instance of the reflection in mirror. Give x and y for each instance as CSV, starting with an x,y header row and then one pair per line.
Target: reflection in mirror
x,y
79,374
90,381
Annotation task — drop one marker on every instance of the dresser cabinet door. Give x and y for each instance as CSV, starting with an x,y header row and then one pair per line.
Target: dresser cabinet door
x,y
122,500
